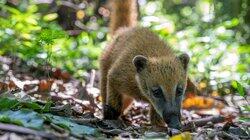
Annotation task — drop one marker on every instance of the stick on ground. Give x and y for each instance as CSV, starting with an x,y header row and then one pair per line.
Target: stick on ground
x,y
23,130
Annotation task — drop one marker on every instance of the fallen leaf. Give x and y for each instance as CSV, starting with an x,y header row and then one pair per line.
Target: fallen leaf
x,y
153,135
24,117
200,102
12,103
3,87
45,85
8,103
74,128
57,73
12,85
182,136
65,76
80,14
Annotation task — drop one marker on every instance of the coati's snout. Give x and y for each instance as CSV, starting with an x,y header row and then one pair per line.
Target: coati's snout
x,y
171,115
168,105
163,82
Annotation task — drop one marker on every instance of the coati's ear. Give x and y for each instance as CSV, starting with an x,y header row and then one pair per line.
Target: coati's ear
x,y
184,58
140,62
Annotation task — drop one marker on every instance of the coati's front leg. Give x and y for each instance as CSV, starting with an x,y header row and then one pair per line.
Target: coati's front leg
x,y
155,118
113,107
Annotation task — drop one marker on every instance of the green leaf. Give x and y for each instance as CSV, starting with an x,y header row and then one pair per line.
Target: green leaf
x,y
3,1
6,119
24,117
50,17
231,23
74,128
10,9
31,105
48,36
244,119
247,108
12,103
8,103
47,106
238,87
244,49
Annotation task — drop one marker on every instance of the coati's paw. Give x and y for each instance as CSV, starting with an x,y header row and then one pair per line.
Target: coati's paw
x,y
109,113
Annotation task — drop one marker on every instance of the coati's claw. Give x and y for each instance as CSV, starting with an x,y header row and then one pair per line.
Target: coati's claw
x,y
110,113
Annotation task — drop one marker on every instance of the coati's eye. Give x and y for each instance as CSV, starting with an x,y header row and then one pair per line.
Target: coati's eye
x,y
157,92
179,91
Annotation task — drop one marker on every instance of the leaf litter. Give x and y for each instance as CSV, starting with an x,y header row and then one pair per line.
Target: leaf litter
x,y
35,105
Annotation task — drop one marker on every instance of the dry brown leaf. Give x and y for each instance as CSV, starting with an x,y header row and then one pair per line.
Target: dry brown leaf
x,y
200,102
12,85
65,76
45,85
3,86
57,73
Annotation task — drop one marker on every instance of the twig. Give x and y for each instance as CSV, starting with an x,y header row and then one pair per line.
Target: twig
x,y
57,128
86,121
91,85
228,136
74,32
74,100
78,136
246,124
92,79
245,137
112,132
203,121
70,5
23,130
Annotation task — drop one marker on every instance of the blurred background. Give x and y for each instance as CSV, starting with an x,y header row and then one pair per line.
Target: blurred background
x,y
71,34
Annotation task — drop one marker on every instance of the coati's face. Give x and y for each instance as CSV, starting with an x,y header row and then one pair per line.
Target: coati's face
x,y
163,83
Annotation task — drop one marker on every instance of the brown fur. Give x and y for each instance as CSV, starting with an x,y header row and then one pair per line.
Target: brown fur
x,y
118,74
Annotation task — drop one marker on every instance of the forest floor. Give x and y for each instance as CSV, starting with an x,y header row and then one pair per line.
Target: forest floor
x,y
48,103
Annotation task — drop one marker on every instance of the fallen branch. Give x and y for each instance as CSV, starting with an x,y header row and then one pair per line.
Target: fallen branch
x,y
112,132
211,134
23,130
227,135
246,124
74,100
58,128
86,121
203,121
89,86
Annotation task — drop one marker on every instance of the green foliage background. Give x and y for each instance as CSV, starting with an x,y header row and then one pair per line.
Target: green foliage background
x,y
215,33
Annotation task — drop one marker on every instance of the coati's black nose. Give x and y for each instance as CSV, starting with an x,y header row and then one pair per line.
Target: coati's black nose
x,y
172,119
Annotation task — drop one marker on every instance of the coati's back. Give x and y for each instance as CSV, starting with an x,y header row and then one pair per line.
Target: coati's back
x,y
137,64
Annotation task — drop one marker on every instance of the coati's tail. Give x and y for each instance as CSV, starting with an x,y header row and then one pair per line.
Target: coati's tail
x,y
123,14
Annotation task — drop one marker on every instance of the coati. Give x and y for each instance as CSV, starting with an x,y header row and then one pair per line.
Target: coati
x,y
137,64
